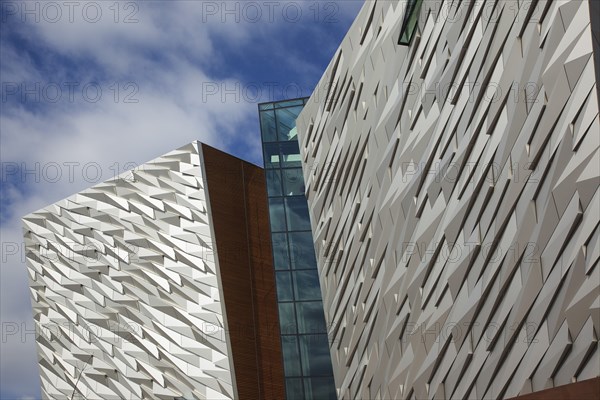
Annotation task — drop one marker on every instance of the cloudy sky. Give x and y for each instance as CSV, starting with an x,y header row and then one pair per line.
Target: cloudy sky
x,y
90,89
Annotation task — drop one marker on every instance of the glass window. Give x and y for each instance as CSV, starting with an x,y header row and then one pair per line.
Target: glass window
x,y
271,155
287,319
293,389
289,103
409,24
314,350
276,215
286,121
284,286
274,182
280,251
297,214
302,251
320,388
265,106
293,182
311,318
306,285
268,127
290,155
291,358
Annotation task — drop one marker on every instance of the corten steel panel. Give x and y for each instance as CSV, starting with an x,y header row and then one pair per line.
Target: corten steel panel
x,y
239,211
584,390
453,186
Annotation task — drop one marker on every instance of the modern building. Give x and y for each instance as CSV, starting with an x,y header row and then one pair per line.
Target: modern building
x,y
428,230
452,170
305,346
158,284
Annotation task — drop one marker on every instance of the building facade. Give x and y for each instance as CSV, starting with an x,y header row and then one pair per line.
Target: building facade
x,y
428,230
158,284
451,155
307,363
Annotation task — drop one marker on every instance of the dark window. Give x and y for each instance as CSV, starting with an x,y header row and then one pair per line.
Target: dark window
x,y
302,250
290,155
314,350
284,286
297,213
293,389
286,121
280,251
290,103
271,155
291,358
274,182
265,106
293,182
409,24
310,317
267,126
306,285
287,319
320,388
276,215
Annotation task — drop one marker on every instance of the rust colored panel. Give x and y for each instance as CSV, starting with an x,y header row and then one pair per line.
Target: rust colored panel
x,y
238,202
584,390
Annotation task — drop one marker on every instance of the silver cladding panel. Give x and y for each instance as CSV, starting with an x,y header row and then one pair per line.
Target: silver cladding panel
x,y
453,192
125,288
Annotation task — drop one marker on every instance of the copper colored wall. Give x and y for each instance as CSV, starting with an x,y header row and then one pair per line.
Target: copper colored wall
x,y
584,390
240,216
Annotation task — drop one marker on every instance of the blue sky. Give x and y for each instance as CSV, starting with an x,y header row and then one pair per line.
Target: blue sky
x,y
90,89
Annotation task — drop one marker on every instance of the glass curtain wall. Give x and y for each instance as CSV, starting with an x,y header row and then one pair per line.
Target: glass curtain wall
x,y
306,356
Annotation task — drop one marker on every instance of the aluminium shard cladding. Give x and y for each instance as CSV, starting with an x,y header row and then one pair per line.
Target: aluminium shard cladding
x,y
453,191
453,186
125,288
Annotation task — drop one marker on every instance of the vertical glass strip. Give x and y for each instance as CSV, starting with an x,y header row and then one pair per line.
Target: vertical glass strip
x,y
306,357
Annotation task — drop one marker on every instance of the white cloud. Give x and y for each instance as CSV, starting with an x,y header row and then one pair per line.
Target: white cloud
x,y
167,55
73,134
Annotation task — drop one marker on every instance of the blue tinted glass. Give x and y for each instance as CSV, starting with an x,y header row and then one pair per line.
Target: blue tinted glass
x,y
290,155
267,126
293,389
276,215
289,103
280,251
274,182
293,182
287,319
286,121
297,214
306,285
319,389
302,251
291,358
265,106
271,155
310,317
284,286
314,350
294,258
